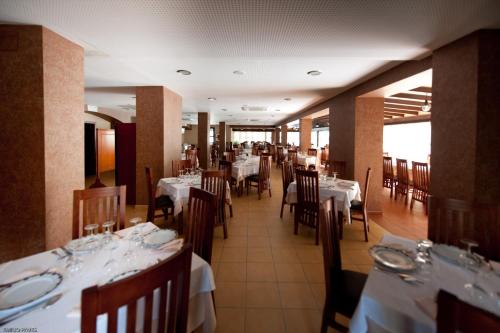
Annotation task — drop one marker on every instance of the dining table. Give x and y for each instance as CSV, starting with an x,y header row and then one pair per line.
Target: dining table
x,y
390,304
65,314
344,192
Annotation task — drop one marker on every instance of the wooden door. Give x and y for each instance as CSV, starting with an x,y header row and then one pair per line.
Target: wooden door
x,y
106,150
125,173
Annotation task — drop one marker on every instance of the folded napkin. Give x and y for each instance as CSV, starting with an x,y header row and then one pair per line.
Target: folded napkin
x,y
428,305
172,246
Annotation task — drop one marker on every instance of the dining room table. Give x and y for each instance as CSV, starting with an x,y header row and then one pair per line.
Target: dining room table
x,y
391,303
95,269
344,192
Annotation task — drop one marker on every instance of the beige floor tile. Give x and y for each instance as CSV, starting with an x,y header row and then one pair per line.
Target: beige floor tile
x,y
230,294
230,320
216,253
357,257
231,272
309,254
257,231
314,273
259,254
262,295
259,241
260,272
289,272
285,255
365,268
318,290
296,296
234,254
235,241
302,321
264,320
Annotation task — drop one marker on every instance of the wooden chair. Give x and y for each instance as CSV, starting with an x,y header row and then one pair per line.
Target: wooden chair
x,y
98,206
339,167
389,181
192,155
162,202
455,315
230,156
227,167
201,222
403,181
178,165
287,178
214,155
324,155
272,151
215,182
420,192
307,208
343,287
293,157
262,180
280,156
361,207
312,152
171,277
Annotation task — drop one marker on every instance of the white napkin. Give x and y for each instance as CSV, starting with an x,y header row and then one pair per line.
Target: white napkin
x,y
172,246
428,305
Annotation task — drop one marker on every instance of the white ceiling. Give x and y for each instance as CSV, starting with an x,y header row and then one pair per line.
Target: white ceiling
x,y
130,43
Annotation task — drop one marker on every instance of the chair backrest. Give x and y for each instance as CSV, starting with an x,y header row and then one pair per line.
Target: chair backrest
x,y
420,173
265,167
178,165
339,167
215,182
287,175
324,154
312,152
455,315
280,153
388,171
402,171
192,155
367,187
307,189
202,209
230,156
171,277
98,206
293,157
227,166
332,259
213,153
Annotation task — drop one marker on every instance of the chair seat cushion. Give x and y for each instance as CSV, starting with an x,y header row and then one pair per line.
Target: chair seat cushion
x,y
347,291
356,205
163,201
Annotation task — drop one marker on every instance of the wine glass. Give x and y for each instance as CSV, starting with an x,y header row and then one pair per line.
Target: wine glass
x,y
468,259
423,258
108,235
134,238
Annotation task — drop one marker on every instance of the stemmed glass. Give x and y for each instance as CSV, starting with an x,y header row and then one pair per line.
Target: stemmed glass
x,y
134,238
468,259
111,264
424,258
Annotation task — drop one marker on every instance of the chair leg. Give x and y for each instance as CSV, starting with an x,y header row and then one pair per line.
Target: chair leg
x,y
341,224
317,232
296,223
365,224
282,205
224,228
231,210
392,187
259,189
325,319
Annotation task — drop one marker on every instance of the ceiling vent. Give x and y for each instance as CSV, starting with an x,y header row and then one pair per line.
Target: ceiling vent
x,y
254,108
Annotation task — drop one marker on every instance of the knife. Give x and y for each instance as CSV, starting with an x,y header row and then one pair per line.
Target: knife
x,y
42,305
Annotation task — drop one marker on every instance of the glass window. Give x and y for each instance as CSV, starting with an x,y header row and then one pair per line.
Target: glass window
x,y
408,141
323,138
212,135
293,138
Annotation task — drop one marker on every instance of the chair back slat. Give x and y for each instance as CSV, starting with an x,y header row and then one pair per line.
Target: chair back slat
x,y
92,206
312,152
171,277
420,172
293,157
227,167
178,165
280,155
308,196
287,175
215,182
192,156
230,156
329,230
367,187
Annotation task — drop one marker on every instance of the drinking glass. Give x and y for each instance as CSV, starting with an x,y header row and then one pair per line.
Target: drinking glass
x,y
108,235
134,238
424,259
468,259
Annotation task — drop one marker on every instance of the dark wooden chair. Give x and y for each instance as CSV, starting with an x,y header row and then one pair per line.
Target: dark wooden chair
x,y
98,206
308,202
227,167
287,178
214,155
230,156
163,202
454,315
280,156
360,207
178,165
312,152
403,181
192,155
293,157
171,277
343,287
215,182
420,172
272,151
388,178
325,155
339,167
262,181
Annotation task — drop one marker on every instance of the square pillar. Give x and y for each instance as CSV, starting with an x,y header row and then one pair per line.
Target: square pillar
x,y
203,139
305,129
229,133
284,132
158,135
277,138
222,137
42,108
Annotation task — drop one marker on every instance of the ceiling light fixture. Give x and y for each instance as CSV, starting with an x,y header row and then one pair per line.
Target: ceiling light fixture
x,y
277,110
183,72
212,99
223,109
426,107
314,72
288,99
238,72
317,125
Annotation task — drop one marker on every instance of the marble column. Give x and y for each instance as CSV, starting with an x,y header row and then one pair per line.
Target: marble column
x,y
158,135
284,136
305,129
222,137
203,139
42,108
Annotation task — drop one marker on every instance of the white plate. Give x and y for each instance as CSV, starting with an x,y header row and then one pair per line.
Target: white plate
x,y
29,289
158,238
123,275
392,258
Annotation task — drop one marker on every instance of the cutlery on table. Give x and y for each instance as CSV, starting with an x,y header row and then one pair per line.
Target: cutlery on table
x,y
405,277
42,305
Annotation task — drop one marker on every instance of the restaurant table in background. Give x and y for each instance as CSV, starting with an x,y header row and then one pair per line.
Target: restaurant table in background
x,y
245,167
389,304
64,315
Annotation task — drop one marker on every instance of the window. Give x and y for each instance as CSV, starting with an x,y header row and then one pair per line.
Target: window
x,y
293,138
212,135
408,141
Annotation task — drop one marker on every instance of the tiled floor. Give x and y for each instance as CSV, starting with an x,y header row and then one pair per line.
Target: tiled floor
x,y
270,280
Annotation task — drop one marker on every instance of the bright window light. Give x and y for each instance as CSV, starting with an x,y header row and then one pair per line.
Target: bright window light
x,y
408,141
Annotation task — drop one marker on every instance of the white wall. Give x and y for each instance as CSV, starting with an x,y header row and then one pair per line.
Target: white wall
x,y
99,122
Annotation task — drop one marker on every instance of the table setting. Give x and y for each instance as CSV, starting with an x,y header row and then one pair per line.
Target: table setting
x,y
43,291
244,167
401,289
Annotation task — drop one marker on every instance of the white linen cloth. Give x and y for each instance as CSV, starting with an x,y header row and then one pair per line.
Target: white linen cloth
x,y
306,160
388,304
64,316
343,190
177,188
244,168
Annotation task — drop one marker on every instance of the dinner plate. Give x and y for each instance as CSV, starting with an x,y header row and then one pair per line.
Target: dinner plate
x,y
28,290
123,275
393,259
452,254
159,238
85,244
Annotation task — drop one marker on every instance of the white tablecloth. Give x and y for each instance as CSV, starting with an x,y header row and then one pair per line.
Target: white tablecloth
x,y
178,190
306,160
343,190
64,316
245,168
388,304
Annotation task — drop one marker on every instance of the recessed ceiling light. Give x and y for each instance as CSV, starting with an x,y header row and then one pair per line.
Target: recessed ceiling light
x,y
278,110
238,72
183,72
287,99
314,73
212,99
223,109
